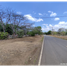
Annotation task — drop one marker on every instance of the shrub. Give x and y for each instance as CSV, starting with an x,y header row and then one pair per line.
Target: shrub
x,y
3,35
20,33
9,29
31,33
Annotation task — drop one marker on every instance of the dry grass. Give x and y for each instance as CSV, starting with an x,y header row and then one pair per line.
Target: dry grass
x,y
62,37
20,51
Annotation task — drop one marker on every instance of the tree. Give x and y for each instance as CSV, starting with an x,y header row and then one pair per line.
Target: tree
x,y
26,27
37,30
2,16
1,28
61,31
19,21
31,33
49,32
20,33
13,22
9,29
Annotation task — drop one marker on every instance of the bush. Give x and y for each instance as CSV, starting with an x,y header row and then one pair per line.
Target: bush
x,y
20,33
1,28
31,33
3,35
9,29
48,33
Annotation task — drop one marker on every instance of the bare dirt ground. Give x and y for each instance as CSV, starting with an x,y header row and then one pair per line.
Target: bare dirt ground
x,y
62,37
20,51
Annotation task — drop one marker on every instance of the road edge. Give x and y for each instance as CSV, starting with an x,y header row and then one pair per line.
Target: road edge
x,y
41,53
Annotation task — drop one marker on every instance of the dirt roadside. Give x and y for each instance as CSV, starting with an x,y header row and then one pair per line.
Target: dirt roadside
x,y
20,51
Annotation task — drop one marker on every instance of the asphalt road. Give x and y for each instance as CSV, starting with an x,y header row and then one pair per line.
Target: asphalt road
x,y
54,51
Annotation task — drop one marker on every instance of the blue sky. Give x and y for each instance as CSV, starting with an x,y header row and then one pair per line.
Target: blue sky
x,y
37,11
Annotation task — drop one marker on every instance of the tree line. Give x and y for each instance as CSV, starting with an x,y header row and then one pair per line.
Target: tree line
x,y
12,23
61,31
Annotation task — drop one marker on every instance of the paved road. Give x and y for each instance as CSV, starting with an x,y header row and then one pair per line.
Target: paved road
x,y
54,51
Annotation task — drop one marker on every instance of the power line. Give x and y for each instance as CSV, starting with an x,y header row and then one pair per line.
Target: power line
x,y
51,17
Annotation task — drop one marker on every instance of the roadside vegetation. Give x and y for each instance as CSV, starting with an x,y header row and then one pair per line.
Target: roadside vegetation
x,y
42,39
13,25
20,42
61,33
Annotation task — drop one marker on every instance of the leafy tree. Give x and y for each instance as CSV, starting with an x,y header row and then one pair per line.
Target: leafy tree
x,y
20,33
9,29
37,30
31,33
49,32
61,31
1,28
54,33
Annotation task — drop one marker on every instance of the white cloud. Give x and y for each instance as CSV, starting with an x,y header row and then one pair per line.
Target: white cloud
x,y
33,25
57,19
39,13
65,12
38,20
45,29
49,11
50,25
29,17
61,24
53,14
19,12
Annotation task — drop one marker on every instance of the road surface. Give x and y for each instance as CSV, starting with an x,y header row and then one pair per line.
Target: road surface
x,y
54,51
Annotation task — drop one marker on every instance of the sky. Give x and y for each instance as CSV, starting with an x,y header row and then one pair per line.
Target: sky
x,y
48,15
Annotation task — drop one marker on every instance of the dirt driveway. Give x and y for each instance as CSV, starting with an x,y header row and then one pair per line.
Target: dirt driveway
x,y
20,51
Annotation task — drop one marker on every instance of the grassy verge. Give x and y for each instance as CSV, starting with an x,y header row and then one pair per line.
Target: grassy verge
x,y
42,39
62,37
